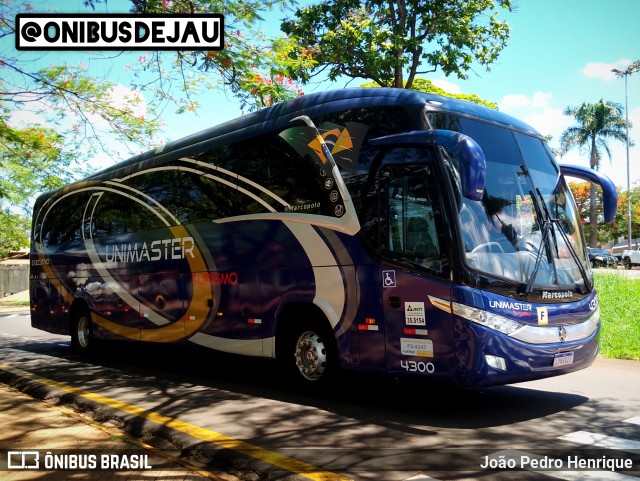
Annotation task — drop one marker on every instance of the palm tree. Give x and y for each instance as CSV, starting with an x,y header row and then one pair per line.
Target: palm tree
x,y
597,123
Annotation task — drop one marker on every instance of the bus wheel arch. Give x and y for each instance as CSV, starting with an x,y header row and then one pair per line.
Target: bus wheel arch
x,y
81,327
306,347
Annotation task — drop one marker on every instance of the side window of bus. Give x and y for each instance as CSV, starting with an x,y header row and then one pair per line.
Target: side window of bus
x,y
189,195
271,176
412,228
63,221
115,215
412,224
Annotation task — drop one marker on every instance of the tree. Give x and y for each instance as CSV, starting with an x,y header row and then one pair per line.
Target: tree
x,y
32,160
14,230
425,85
251,66
597,123
79,109
65,96
382,40
618,228
621,224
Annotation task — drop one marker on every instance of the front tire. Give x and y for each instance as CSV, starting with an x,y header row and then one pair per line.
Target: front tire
x,y
82,332
311,354
627,263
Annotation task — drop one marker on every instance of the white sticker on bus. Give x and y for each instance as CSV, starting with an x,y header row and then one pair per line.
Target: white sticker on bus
x,y
416,347
414,314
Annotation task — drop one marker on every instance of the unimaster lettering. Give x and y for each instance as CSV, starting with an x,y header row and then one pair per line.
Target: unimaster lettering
x,y
158,250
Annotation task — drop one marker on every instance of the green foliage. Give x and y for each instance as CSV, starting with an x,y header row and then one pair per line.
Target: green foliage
x,y
597,124
64,97
621,225
14,232
424,85
251,66
384,40
31,160
620,314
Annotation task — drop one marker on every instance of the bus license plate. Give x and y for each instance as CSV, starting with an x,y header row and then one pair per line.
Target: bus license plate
x,y
563,359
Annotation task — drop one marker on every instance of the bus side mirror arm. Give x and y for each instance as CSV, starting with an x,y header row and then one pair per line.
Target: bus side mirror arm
x,y
473,165
609,191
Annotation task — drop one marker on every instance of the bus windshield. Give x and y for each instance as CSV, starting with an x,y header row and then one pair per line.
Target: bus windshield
x,y
525,228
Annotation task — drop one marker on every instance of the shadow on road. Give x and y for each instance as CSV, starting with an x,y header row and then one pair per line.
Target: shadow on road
x,y
189,378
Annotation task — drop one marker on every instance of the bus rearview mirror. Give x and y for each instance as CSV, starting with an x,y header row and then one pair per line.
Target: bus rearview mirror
x,y
471,160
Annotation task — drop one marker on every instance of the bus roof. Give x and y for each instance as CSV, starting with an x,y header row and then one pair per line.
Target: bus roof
x,y
314,105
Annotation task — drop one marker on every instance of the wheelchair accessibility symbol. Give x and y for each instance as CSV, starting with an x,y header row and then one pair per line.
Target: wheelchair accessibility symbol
x,y
388,278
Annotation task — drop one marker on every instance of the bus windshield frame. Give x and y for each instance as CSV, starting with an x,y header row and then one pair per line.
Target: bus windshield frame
x,y
525,196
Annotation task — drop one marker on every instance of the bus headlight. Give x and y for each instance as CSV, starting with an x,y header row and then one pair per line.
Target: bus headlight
x,y
487,319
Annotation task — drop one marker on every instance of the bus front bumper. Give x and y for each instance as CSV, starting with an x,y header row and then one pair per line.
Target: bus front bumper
x,y
504,360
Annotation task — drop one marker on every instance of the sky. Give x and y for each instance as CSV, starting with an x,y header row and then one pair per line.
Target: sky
x,y
560,54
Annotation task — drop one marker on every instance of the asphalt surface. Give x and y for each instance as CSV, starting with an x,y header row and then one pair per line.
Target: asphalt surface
x,y
27,421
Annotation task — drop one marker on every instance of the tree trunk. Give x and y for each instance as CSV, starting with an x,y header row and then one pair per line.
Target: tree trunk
x,y
593,217
593,213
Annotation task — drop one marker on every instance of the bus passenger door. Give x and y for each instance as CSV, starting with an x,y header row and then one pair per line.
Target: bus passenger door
x,y
415,278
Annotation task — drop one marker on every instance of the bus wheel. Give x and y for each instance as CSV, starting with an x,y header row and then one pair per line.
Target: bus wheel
x,y
314,354
81,332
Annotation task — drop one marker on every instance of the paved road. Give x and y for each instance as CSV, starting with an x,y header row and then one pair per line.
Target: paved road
x,y
238,416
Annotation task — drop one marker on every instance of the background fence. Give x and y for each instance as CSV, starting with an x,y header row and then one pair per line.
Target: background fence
x,y
13,278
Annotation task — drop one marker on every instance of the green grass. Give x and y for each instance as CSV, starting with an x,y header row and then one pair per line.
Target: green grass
x,y
620,313
14,303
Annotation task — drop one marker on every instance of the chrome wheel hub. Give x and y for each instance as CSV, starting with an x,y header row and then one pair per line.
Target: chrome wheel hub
x,y
311,356
84,333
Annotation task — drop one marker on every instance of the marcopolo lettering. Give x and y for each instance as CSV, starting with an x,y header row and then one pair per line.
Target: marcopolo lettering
x,y
296,208
119,32
557,294
158,250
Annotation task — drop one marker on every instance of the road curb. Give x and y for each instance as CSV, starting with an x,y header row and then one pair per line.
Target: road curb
x,y
96,414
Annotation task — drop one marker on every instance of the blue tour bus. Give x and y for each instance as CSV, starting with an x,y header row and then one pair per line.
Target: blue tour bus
x,y
380,230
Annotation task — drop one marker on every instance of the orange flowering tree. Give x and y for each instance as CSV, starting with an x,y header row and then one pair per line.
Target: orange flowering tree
x,y
618,228
621,215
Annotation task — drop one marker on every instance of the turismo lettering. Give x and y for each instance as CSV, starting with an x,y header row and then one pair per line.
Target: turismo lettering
x,y
158,250
215,278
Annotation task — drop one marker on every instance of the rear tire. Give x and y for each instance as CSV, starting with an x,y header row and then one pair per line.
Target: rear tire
x,y
82,332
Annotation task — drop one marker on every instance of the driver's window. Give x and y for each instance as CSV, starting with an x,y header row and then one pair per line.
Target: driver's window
x,y
413,226
412,229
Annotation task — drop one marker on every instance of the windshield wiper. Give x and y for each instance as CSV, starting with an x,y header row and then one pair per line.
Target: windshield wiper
x,y
545,225
556,222
548,224
574,255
